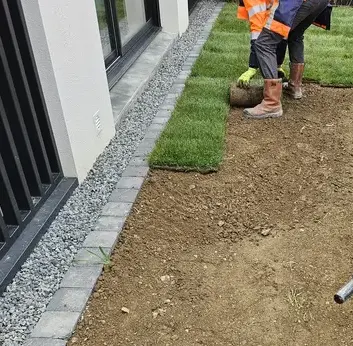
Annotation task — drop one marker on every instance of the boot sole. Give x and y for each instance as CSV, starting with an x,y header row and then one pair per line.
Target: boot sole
x,y
294,97
263,116
297,97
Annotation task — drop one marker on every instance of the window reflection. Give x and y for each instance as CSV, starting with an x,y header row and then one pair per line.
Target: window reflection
x,y
103,27
131,16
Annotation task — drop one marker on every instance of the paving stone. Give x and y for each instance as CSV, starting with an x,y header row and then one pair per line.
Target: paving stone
x,y
100,239
81,276
153,134
172,94
183,74
56,324
119,100
130,182
147,142
163,114
129,84
155,127
179,81
143,152
177,88
132,84
90,256
69,299
172,103
110,223
134,171
141,161
167,106
117,209
171,97
160,120
44,342
187,67
147,145
197,50
190,61
124,195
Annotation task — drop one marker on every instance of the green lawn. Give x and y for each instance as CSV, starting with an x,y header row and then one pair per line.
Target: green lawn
x,y
194,136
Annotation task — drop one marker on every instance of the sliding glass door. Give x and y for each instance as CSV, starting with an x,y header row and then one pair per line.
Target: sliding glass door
x,y
123,26
105,29
132,18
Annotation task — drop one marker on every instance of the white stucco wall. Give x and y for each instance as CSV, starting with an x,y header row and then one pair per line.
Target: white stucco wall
x,y
174,16
70,61
50,90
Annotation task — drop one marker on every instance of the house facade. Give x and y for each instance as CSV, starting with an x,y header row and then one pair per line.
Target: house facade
x,y
59,61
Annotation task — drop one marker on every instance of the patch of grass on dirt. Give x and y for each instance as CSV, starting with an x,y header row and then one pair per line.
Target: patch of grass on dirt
x,y
194,137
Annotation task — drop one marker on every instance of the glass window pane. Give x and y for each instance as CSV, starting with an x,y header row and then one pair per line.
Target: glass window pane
x,y
103,27
132,17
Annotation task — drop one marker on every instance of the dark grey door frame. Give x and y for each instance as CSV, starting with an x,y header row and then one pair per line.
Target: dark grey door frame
x,y
122,56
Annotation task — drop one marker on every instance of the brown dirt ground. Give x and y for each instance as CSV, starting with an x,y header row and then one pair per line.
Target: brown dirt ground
x,y
251,255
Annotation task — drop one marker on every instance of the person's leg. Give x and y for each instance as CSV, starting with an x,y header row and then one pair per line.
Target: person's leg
x,y
244,80
306,15
252,58
266,48
281,52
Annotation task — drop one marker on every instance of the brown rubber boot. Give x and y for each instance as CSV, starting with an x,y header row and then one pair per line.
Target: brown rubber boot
x,y
271,106
294,88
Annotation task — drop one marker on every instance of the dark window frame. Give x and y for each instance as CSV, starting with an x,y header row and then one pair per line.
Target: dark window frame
x,y
192,4
122,56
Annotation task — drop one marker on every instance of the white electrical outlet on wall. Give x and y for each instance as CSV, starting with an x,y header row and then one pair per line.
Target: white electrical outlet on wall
x,y
97,122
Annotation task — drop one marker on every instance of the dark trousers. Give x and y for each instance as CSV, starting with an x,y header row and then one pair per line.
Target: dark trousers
x,y
267,42
280,53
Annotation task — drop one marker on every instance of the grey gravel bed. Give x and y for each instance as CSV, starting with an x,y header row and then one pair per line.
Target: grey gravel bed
x,y
26,298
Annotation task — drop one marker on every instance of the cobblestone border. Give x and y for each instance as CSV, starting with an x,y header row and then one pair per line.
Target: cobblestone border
x,y
67,305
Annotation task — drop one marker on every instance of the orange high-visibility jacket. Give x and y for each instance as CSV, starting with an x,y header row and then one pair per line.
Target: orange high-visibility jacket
x,y
276,15
257,13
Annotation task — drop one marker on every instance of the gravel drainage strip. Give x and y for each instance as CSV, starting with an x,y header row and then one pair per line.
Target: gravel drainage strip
x,y
49,293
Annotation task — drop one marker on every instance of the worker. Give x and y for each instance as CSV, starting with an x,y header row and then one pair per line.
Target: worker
x,y
288,19
257,12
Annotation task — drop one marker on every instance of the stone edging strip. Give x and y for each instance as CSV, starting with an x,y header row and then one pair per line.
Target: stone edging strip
x,y
67,305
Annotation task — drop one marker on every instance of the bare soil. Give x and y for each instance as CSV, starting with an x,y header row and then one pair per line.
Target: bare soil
x,y
251,255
